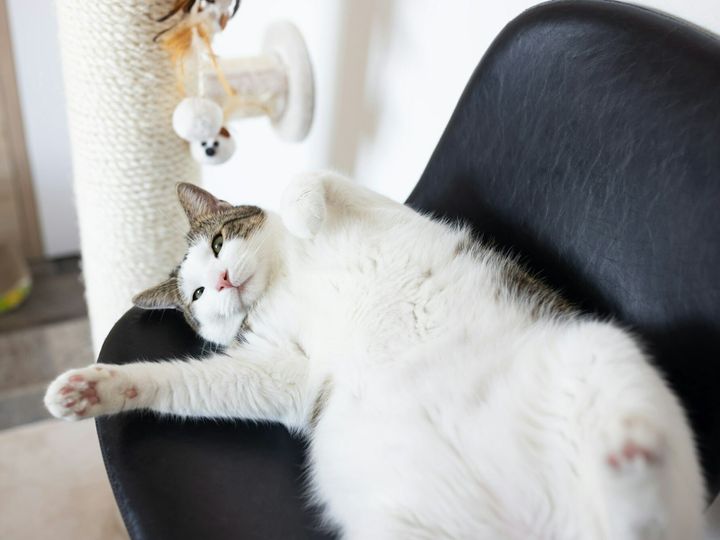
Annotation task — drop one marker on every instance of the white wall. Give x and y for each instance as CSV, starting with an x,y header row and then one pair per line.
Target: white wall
x,y
389,73
33,27
419,67
263,163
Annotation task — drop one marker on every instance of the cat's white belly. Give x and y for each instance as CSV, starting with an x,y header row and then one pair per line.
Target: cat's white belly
x,y
511,439
408,453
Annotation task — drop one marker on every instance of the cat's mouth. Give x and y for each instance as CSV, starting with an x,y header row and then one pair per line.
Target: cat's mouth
x,y
241,292
242,286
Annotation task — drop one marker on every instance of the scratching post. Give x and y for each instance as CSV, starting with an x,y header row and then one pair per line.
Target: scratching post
x,y
121,92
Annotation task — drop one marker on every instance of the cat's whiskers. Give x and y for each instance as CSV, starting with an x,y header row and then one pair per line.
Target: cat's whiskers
x,y
246,259
256,247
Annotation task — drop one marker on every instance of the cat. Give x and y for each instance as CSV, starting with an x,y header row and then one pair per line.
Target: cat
x,y
445,393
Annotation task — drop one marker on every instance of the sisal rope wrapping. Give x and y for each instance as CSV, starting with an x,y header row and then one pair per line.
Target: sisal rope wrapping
x,y
121,92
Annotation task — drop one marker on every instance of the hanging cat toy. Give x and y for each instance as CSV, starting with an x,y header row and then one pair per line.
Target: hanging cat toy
x,y
277,84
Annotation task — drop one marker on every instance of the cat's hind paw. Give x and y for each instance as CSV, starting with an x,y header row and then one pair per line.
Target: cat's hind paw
x,y
87,392
634,444
303,206
636,479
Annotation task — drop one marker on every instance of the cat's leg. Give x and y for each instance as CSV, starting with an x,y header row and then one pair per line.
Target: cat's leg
x,y
303,206
238,385
310,199
635,431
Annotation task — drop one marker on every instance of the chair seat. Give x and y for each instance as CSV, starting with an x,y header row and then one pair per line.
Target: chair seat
x,y
588,141
178,478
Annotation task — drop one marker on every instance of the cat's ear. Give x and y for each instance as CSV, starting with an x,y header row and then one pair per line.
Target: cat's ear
x,y
198,203
163,296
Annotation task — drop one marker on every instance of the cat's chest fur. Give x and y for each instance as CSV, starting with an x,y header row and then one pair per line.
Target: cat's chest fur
x,y
355,294
364,297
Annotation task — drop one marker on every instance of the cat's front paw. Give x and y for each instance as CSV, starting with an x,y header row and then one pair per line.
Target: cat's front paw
x,y
90,391
303,205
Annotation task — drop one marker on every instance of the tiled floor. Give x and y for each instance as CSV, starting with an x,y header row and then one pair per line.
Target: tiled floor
x,y
53,484
48,334
52,480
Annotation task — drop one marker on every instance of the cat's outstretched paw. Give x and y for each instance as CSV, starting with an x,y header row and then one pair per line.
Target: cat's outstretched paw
x,y
303,205
86,392
633,444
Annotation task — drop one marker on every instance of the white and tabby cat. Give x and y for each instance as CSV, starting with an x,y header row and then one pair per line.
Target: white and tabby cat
x,y
445,393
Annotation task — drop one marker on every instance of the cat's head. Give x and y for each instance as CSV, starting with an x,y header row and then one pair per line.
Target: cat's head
x,y
225,271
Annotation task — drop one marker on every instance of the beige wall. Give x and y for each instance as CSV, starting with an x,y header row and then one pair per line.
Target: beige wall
x,y
18,220
33,30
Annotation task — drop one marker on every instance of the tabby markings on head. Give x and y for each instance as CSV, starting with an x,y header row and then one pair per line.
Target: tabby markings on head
x,y
235,222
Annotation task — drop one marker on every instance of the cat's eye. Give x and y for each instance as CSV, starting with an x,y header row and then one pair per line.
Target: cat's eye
x,y
217,243
198,293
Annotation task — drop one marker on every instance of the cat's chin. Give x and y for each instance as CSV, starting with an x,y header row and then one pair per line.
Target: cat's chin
x,y
223,331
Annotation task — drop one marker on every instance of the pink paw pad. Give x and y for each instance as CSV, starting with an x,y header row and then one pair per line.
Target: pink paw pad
x,y
640,443
632,452
80,392
86,392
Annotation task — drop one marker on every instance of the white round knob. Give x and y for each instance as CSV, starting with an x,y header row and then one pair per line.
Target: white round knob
x,y
293,121
197,119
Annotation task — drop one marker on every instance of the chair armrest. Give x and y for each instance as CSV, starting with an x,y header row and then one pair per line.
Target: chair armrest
x,y
179,478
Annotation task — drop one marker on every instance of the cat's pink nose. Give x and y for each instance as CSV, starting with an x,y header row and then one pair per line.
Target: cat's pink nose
x,y
223,282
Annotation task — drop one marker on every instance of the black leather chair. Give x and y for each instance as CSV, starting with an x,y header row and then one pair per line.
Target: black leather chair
x,y
588,141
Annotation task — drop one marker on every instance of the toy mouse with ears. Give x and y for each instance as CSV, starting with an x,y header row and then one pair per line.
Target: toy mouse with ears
x,y
197,119
214,151
278,84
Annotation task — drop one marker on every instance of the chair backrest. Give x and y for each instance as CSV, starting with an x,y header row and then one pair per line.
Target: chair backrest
x,y
588,141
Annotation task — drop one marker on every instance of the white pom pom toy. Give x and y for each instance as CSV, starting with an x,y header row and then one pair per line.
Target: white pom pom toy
x,y
197,119
214,151
277,84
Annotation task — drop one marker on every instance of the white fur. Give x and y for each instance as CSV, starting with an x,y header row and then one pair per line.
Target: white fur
x,y
451,410
197,119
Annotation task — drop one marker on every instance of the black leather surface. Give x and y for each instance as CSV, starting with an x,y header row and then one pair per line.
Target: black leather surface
x,y
189,479
588,140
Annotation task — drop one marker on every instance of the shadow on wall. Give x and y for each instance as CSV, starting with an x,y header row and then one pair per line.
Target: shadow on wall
x,y
365,27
